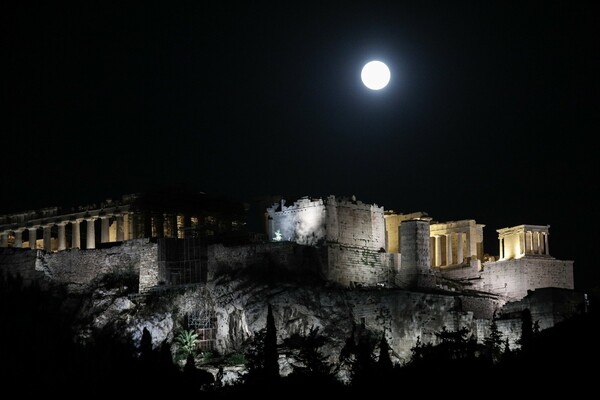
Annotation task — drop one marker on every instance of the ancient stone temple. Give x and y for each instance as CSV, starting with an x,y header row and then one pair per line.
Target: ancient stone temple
x,y
408,271
367,246
134,216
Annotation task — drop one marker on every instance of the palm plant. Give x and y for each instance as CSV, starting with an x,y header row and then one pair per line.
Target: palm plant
x,y
187,343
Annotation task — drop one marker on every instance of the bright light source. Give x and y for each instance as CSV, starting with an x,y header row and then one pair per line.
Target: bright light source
x,y
375,75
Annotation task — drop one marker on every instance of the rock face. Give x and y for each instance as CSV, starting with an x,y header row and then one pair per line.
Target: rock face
x,y
233,307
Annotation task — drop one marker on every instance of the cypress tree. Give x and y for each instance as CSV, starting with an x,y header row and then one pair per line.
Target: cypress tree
x,y
271,356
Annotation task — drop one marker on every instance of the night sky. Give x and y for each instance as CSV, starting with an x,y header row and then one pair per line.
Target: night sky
x,y
490,115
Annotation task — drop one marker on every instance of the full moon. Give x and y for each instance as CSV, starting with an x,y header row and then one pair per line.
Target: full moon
x,y
375,75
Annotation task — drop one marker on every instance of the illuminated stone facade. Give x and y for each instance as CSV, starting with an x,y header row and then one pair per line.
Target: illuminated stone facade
x,y
359,244
367,246
417,275
134,216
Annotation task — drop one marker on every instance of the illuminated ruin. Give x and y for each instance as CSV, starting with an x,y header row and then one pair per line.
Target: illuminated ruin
x,y
425,273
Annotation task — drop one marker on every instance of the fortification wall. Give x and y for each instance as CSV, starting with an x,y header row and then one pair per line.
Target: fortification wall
x,y
358,266
481,307
302,222
287,256
414,251
360,225
20,262
312,222
513,278
77,268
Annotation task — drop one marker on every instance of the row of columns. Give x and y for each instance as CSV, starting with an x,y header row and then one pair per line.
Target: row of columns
x,y
530,242
451,258
171,225
122,231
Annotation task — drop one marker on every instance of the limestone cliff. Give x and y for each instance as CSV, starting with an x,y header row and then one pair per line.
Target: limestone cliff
x,y
235,306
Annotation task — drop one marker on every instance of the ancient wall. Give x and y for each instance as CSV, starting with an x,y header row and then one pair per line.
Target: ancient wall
x,y
548,306
76,268
513,278
481,307
312,222
360,225
414,252
20,262
358,266
287,256
302,222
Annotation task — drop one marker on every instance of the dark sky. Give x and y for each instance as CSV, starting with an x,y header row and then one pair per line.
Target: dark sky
x,y
490,115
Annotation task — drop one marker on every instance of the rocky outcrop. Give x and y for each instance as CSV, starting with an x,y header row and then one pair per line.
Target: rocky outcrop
x,y
234,307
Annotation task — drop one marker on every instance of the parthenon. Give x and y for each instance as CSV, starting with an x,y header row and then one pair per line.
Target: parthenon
x,y
131,217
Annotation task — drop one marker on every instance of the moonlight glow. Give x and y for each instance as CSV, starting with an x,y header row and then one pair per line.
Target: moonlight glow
x,y
375,75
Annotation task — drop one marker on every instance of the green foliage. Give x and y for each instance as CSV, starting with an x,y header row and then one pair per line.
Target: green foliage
x,y
187,344
314,364
358,352
526,339
261,354
493,343
208,356
454,347
236,359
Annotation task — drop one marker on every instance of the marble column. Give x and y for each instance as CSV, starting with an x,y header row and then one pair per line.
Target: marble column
x,y
75,234
119,219
48,238
460,256
32,238
438,251
522,242
173,225
546,243
104,226
449,249
126,227
501,247
91,234
470,245
62,237
19,238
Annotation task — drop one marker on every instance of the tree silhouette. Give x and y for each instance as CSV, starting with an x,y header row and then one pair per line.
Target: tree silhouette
x,y
313,363
261,354
493,342
146,345
357,353
384,362
526,339
271,356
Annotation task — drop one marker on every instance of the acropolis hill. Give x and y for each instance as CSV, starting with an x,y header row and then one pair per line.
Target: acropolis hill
x,y
406,275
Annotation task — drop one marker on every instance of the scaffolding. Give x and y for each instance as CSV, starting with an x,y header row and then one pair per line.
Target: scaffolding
x,y
203,320
182,261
